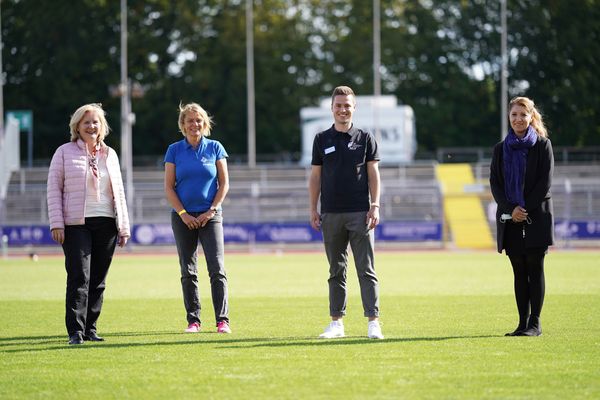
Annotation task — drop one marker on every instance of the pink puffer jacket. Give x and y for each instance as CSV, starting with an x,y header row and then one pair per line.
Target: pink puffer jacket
x,y
67,189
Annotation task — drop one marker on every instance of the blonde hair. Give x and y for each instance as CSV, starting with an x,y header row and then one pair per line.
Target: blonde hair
x,y
536,117
80,113
342,91
195,108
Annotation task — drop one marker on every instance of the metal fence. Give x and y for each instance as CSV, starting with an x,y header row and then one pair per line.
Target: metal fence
x,y
562,154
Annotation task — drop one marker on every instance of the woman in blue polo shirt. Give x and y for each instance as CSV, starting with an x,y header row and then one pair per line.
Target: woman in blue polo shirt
x,y
196,183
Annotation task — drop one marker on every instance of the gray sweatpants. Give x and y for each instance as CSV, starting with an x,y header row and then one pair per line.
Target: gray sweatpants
x,y
339,229
211,239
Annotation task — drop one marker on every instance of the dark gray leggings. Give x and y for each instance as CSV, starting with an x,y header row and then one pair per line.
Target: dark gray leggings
x,y
210,238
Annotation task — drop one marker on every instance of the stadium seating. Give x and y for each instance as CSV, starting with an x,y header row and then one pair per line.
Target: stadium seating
x,y
272,193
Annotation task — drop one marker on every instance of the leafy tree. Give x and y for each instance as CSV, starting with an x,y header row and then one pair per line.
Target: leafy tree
x,y
440,57
554,60
57,56
428,66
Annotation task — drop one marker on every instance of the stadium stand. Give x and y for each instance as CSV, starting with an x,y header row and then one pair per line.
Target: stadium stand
x,y
274,193
575,189
464,211
263,194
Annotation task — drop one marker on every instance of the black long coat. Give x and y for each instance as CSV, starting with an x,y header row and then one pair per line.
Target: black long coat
x,y
538,202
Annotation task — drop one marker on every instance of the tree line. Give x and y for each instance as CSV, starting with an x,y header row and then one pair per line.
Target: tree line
x,y
440,57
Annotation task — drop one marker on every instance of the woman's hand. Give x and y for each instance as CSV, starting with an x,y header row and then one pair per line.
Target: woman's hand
x,y
205,217
58,235
519,214
198,222
123,241
190,221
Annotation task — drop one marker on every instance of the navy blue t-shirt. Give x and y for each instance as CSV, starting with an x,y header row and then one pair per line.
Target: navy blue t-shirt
x,y
196,182
343,158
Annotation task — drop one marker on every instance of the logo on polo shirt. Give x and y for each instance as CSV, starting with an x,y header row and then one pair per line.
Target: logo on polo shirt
x,y
206,161
354,146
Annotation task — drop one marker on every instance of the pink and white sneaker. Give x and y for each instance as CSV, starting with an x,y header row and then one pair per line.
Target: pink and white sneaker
x,y
223,327
194,327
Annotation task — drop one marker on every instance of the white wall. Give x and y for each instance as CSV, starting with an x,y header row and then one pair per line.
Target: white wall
x,y
9,153
397,141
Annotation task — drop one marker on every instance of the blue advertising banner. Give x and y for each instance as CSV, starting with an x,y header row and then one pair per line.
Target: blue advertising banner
x,y
286,233
147,234
587,230
158,234
161,234
27,235
409,231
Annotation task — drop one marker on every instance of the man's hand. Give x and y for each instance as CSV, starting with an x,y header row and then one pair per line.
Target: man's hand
x,y
373,216
315,220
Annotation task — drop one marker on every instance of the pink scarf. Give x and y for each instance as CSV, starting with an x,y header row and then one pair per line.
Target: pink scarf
x,y
93,165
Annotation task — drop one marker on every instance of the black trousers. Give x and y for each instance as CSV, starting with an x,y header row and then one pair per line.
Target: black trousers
x,y
88,249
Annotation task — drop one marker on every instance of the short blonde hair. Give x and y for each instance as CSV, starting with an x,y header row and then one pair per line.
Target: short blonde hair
x,y
195,108
536,116
80,113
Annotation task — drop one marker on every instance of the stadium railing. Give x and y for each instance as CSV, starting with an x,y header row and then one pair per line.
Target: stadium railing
x,y
562,154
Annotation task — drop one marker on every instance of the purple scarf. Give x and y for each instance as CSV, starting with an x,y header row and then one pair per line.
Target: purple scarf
x,y
515,159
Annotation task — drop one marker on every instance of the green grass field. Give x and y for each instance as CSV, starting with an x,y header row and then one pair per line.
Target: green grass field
x,y
443,313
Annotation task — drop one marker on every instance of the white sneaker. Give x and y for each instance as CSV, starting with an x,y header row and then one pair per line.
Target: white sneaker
x,y
375,330
334,330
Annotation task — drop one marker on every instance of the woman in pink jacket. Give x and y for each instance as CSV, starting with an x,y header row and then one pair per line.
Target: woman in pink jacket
x,y
88,216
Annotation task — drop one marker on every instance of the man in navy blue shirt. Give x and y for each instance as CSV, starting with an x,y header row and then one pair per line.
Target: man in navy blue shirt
x,y
345,177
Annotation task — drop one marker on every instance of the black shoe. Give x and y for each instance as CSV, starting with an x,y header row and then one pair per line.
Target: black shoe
x,y
93,337
530,332
534,328
523,321
516,332
76,338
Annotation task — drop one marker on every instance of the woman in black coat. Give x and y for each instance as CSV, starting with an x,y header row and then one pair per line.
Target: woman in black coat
x,y
520,179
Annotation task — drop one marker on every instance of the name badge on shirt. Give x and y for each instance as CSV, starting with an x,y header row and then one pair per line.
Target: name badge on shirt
x,y
330,150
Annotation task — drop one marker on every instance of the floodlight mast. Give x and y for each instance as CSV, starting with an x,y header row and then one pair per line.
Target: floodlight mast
x,y
503,73
126,116
1,79
376,66
250,83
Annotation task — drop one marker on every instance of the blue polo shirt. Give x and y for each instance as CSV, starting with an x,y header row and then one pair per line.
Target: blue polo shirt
x,y
196,180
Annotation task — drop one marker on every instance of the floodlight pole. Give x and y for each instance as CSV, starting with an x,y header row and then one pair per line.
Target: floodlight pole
x,y
250,83
3,237
376,66
503,73
126,142
1,80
